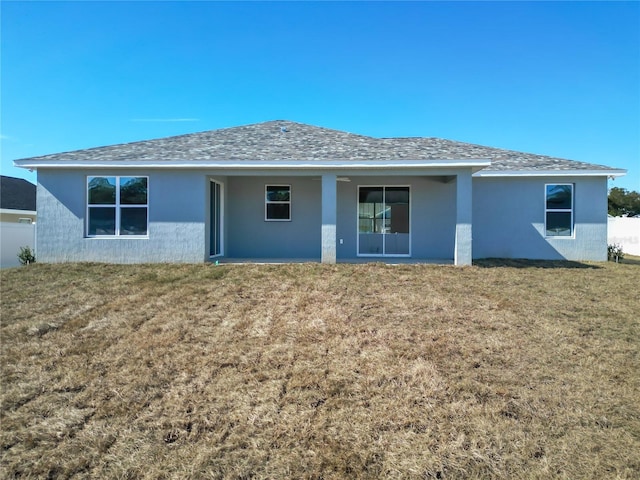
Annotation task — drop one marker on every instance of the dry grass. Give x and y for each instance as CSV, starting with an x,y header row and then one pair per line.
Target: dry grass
x,y
501,370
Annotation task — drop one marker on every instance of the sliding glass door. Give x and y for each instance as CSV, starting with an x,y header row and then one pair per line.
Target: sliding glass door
x,y
383,221
215,221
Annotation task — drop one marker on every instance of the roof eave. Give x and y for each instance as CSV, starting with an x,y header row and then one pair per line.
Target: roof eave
x,y
612,172
475,164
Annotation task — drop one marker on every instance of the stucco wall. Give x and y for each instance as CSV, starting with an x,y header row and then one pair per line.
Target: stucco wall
x,y
178,203
508,219
179,218
248,235
432,210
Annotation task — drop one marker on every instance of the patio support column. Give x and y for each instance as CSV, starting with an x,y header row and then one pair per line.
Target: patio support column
x,y
462,250
329,214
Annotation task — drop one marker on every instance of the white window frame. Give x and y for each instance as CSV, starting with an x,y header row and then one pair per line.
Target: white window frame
x,y
384,239
268,202
116,205
560,210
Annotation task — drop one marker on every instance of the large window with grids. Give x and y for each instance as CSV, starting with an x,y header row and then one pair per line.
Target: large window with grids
x,y
117,206
558,210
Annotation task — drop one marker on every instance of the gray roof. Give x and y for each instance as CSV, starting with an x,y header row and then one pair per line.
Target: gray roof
x,y
282,140
17,194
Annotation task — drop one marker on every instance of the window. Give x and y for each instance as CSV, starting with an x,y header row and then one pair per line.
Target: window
x,y
117,206
383,220
559,210
277,203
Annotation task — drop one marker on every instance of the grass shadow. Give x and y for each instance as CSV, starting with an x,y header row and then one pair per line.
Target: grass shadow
x,y
630,260
524,263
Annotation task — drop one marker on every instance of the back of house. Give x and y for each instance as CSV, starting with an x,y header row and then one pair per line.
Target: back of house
x,y
283,191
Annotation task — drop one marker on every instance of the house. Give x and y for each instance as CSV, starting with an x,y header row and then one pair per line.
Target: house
x,y
17,200
284,191
17,218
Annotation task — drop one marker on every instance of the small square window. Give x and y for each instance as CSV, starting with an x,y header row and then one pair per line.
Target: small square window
x,y
278,203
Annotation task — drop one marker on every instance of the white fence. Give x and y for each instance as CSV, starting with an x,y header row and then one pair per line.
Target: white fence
x,y
625,232
12,237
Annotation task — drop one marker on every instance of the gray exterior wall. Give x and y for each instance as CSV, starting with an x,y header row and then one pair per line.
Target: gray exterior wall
x,y
508,218
509,214
177,219
432,210
248,235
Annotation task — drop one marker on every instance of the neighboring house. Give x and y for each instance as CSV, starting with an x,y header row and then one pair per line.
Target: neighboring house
x,y
17,200
281,191
17,218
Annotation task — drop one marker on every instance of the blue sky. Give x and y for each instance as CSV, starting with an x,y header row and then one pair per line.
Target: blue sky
x,y
561,79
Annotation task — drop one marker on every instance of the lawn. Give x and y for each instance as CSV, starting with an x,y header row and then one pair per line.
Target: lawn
x,y
501,370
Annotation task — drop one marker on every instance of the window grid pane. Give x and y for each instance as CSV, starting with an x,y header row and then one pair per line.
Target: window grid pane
x,y
559,224
278,211
278,193
133,191
133,221
102,190
102,221
559,197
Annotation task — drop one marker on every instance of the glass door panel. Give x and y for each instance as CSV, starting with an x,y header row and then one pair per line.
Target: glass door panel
x,y
397,230
370,220
383,221
371,244
215,224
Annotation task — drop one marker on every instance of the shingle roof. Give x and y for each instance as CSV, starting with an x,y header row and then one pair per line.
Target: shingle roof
x,y
17,194
282,140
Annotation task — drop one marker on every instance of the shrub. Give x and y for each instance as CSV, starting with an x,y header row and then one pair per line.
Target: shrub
x,y
615,253
26,256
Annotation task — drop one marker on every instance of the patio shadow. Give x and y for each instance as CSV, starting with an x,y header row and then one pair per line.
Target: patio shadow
x,y
524,263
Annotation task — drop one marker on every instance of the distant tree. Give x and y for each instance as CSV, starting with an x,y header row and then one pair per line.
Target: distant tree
x,y
623,203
